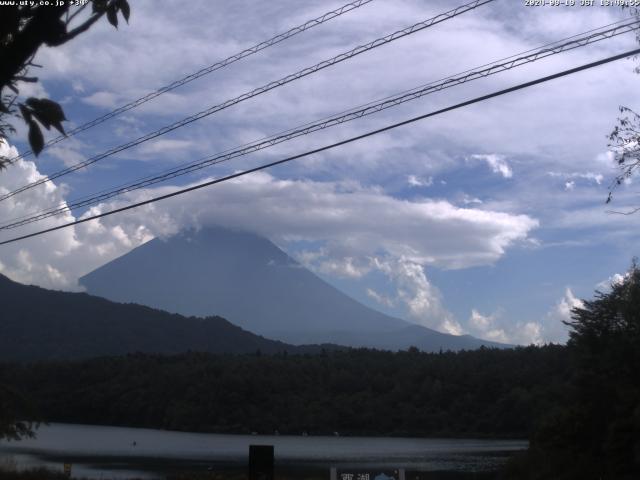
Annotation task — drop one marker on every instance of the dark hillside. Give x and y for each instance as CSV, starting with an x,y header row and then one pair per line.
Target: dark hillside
x,y
39,324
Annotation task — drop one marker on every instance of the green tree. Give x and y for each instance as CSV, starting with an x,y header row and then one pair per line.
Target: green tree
x,y
606,339
23,30
611,318
594,432
624,139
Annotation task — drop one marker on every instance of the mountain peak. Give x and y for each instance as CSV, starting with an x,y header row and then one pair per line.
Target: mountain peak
x,y
247,279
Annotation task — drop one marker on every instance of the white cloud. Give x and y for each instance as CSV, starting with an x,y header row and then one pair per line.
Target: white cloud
x,y
380,298
153,58
348,267
103,99
57,259
485,326
613,280
421,299
497,328
77,86
354,223
549,329
497,163
68,156
69,152
167,148
553,330
30,89
596,178
415,181
469,200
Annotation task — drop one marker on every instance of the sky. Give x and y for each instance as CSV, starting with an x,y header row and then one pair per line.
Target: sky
x,y
489,220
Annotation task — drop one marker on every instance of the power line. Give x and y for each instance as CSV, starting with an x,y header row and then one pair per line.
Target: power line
x,y
205,71
258,91
333,145
353,114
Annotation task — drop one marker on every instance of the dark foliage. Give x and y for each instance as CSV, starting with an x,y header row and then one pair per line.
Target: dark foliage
x,y
14,405
474,393
624,138
39,324
34,474
594,433
624,141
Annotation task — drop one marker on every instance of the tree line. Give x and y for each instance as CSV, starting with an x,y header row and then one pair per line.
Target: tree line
x,y
487,392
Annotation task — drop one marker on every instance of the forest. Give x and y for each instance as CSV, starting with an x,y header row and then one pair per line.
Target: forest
x,y
358,392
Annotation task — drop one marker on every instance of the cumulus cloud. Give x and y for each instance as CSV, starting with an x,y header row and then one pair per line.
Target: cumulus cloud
x,y
361,229
486,327
352,220
497,163
57,259
548,329
414,294
496,327
421,299
553,329
613,280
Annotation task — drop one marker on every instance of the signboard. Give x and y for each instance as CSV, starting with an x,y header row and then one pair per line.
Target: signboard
x,y
260,462
67,469
366,474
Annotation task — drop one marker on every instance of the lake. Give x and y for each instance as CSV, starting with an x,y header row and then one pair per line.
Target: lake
x,y
117,452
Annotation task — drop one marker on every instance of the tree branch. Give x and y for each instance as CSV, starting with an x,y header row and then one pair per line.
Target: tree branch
x,y
76,13
78,30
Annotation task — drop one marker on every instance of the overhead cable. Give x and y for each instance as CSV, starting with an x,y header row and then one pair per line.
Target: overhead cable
x,y
205,71
258,91
329,147
353,114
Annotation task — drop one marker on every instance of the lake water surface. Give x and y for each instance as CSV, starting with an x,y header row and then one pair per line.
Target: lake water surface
x,y
116,452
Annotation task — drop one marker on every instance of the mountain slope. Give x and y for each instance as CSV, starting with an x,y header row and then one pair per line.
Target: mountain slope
x,y
248,280
39,324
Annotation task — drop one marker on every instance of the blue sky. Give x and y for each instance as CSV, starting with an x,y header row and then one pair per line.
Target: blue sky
x,y
488,220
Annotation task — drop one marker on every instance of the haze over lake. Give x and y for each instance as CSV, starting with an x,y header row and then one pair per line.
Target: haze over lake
x,y
98,451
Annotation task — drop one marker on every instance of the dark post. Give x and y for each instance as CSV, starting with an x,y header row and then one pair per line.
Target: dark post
x,y
260,462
